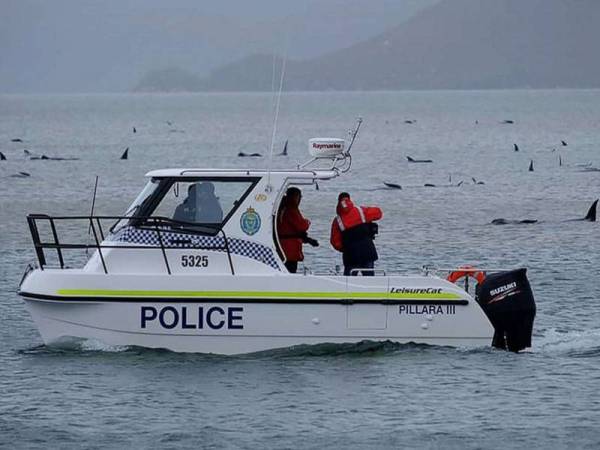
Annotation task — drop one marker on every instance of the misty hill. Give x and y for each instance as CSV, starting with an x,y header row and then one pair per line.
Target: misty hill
x,y
170,80
455,44
85,45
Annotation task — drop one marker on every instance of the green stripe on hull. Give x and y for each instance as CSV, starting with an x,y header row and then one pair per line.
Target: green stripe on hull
x,y
257,294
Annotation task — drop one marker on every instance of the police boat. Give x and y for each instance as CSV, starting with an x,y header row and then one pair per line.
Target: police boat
x,y
160,277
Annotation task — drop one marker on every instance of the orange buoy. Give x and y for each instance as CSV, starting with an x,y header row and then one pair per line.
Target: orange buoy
x,y
466,271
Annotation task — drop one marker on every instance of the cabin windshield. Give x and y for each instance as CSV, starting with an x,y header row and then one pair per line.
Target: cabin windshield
x,y
198,204
148,190
146,193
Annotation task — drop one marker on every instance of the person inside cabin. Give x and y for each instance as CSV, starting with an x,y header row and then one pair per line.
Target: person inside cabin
x,y
186,211
292,229
200,206
353,232
208,207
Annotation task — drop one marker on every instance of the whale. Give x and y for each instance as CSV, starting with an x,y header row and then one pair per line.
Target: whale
x,y
249,155
20,175
285,151
427,185
516,147
431,185
531,166
52,158
513,222
125,154
589,217
591,214
564,143
42,157
16,140
2,157
412,160
508,121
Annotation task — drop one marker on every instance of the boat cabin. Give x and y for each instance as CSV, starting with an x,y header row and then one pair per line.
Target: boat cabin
x,y
197,221
219,221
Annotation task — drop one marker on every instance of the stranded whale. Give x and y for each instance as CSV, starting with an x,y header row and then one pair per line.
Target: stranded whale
x,y
513,222
589,217
20,175
285,151
392,185
412,160
43,157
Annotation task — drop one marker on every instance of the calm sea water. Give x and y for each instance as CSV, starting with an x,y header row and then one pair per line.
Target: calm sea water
x,y
357,396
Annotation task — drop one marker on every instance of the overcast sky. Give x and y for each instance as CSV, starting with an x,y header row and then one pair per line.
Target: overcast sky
x,y
102,46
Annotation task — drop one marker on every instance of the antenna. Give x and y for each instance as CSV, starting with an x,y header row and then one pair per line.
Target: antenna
x,y
276,117
354,133
92,210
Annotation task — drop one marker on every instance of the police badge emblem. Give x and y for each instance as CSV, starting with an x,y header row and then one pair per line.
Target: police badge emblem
x,y
250,222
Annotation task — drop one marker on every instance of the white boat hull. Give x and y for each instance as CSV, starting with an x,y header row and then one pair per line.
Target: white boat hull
x,y
229,326
265,326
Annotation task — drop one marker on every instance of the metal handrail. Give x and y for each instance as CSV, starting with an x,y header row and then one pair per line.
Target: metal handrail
x,y
369,270
429,269
154,223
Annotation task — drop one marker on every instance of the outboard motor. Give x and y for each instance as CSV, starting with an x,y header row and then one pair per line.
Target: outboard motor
x,y
507,300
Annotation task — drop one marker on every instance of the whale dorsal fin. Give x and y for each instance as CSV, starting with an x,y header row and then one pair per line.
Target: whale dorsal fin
x,y
591,214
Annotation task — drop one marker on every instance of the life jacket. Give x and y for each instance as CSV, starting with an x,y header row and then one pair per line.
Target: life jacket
x,y
356,229
291,228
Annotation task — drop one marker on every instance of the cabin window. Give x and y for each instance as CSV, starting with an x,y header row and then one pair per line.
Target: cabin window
x,y
199,204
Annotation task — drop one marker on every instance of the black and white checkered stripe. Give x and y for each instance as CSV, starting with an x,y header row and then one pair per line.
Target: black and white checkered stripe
x,y
240,247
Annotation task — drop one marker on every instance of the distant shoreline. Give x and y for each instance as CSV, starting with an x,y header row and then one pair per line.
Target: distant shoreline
x,y
291,92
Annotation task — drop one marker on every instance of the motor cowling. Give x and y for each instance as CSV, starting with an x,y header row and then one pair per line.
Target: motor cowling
x,y
507,300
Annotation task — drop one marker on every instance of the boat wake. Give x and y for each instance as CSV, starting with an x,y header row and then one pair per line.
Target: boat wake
x,y
577,344
370,348
76,345
553,341
364,348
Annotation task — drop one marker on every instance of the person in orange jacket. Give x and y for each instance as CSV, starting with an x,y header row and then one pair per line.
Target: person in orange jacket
x,y
352,233
292,229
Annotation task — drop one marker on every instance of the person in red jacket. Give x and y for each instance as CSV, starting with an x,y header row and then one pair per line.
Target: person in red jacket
x,y
292,229
352,233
